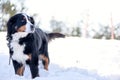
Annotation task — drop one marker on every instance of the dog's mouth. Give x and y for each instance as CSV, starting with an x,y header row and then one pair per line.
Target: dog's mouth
x,y
29,28
32,28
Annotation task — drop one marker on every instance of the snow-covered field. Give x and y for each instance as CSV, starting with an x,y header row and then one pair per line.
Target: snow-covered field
x,y
71,58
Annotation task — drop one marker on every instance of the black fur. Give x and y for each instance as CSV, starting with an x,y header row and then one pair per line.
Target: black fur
x,y
35,43
54,35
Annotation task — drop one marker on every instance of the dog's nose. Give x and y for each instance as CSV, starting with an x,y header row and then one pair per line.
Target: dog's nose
x,y
32,28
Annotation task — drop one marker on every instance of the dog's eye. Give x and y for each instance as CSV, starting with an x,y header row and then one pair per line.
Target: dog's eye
x,y
22,20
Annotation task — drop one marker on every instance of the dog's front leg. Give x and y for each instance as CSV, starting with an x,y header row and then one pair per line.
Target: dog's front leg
x,y
34,70
19,68
34,67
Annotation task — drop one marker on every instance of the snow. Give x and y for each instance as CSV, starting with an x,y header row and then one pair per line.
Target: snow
x,y
71,58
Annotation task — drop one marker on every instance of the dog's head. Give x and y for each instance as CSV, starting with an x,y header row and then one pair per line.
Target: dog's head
x,y
20,20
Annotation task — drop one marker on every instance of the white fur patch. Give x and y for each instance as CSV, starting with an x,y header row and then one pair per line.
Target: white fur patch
x,y
18,49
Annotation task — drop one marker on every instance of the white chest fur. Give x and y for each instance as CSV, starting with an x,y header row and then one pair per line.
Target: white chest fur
x,y
18,49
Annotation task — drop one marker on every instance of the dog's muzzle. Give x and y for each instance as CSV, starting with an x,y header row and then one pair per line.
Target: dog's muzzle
x,y
29,27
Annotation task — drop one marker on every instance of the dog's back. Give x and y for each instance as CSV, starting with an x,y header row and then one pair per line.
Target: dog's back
x,y
40,37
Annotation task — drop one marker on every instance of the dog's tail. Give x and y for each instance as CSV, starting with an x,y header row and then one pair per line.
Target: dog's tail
x,y
54,35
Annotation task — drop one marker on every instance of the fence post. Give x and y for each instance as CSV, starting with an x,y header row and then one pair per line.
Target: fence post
x,y
112,27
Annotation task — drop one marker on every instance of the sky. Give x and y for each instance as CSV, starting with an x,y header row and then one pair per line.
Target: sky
x,y
73,11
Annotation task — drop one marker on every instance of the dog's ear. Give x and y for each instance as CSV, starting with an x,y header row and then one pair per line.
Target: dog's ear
x,y
32,20
11,21
10,25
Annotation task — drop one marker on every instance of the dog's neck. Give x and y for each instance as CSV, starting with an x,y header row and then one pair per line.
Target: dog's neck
x,y
18,50
18,35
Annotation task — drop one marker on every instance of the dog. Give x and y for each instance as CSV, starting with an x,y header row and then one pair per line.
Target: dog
x,y
28,44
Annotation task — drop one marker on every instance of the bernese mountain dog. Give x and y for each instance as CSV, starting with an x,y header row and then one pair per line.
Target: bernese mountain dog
x,y
28,44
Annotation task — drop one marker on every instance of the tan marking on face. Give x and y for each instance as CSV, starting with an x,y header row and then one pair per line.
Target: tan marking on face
x,y
21,29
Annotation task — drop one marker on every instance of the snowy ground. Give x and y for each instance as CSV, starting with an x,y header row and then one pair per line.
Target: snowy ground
x,y
71,58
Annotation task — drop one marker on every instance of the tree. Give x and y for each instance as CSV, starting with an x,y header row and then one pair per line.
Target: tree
x,y
8,9
57,26
117,31
76,31
104,32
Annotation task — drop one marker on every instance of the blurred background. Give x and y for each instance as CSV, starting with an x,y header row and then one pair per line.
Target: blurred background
x,y
98,19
